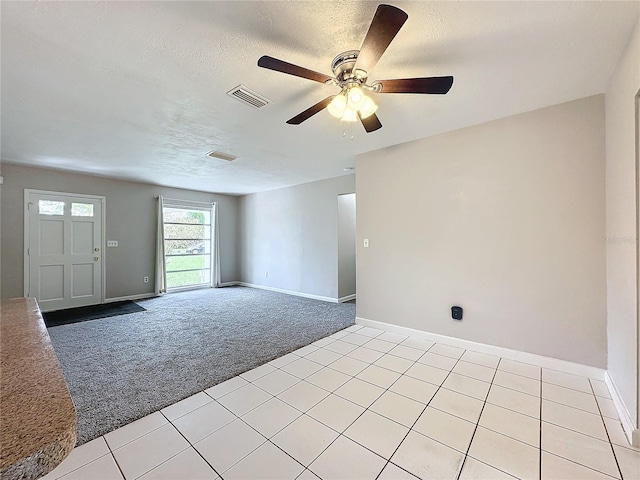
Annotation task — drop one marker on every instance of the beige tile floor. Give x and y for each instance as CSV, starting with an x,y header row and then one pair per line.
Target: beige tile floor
x,y
368,404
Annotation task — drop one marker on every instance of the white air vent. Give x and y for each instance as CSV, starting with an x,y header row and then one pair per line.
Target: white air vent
x,y
248,97
222,156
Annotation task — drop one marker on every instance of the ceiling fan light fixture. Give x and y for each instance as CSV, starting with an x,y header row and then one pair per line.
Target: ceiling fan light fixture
x,y
351,74
356,98
368,109
351,103
349,115
337,106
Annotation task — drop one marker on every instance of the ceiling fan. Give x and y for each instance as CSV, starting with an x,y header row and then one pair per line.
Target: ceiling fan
x,y
351,72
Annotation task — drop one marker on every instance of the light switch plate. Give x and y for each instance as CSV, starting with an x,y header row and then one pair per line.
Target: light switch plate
x,y
112,243
365,243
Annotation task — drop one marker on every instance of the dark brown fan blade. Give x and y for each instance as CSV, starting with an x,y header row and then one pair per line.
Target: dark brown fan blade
x,y
437,85
310,112
291,69
385,25
371,123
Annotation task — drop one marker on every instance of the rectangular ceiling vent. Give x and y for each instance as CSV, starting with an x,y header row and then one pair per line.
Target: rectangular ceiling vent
x,y
222,156
248,97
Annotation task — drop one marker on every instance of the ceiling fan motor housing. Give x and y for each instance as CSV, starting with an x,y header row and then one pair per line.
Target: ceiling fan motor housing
x,y
342,68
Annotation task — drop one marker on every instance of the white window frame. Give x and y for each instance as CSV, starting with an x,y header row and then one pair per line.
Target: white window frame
x,y
193,205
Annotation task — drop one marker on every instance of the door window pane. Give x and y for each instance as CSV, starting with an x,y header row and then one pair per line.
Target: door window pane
x,y
82,210
50,207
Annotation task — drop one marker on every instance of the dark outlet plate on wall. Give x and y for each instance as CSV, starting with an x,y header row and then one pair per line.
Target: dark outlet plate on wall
x,y
456,313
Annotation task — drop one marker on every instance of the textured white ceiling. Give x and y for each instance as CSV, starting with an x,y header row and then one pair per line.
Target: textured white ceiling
x,y
137,90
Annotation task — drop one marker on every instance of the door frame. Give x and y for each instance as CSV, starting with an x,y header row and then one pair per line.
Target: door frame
x,y
27,234
635,440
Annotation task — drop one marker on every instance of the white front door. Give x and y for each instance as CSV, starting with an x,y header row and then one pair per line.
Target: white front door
x,y
63,262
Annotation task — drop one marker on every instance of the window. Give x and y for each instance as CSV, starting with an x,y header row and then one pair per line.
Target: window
x,y
81,210
187,246
50,207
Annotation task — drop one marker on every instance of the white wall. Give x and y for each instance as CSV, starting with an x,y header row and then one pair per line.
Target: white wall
x,y
130,219
622,218
346,245
292,233
506,219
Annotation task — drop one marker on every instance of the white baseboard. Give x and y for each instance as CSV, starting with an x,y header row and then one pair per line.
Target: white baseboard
x,y
346,298
288,292
140,296
632,433
530,358
229,284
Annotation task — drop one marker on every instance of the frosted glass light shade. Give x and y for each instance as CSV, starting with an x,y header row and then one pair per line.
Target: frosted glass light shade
x,y
368,109
337,105
349,115
356,98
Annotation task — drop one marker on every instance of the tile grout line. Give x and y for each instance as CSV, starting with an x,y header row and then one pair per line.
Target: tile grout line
x,y
466,455
346,399
236,418
110,453
136,439
421,413
613,450
576,408
304,413
365,409
388,461
114,457
438,388
542,422
304,467
191,445
356,377
340,434
395,356
577,431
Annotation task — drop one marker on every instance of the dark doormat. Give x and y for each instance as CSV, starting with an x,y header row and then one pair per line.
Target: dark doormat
x,y
91,312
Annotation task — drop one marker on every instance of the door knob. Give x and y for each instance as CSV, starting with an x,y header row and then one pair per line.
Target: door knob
x,y
96,249
96,258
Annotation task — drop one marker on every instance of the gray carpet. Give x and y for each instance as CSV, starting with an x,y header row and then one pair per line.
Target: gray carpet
x,y
122,368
